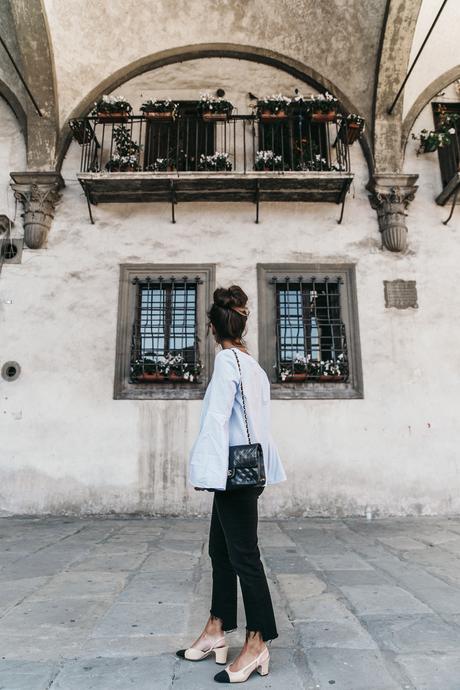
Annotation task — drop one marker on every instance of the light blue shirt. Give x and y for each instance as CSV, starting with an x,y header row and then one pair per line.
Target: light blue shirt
x,y
222,421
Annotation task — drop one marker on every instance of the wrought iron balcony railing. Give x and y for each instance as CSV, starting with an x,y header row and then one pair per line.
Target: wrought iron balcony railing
x,y
237,158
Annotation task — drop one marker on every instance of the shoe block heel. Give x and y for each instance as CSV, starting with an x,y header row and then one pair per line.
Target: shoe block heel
x,y
263,668
221,655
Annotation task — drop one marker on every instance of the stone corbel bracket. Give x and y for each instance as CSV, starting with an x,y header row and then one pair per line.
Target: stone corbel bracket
x,y
390,196
39,193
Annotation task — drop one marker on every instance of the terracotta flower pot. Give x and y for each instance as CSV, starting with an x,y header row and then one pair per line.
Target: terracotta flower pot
x,y
319,116
268,115
151,376
174,376
349,133
300,376
166,116
210,116
332,377
119,116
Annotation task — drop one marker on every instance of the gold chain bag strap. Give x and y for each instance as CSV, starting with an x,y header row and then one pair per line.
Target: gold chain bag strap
x,y
245,462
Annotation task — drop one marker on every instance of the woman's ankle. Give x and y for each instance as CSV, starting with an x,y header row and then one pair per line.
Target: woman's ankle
x,y
214,626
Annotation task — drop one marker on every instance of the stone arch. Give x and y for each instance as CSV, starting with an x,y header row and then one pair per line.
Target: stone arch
x,y
424,98
206,50
15,105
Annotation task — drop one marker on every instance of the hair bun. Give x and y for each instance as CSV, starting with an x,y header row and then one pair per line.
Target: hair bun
x,y
227,298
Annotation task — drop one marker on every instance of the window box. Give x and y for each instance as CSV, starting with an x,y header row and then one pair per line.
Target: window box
x,y
268,115
273,107
320,116
214,108
112,109
163,110
112,117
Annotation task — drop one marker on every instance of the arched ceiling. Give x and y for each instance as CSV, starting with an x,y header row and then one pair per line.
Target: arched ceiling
x,y
71,50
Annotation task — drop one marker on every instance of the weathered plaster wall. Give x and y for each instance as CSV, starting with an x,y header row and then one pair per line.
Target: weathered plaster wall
x,y
92,40
441,52
67,446
12,157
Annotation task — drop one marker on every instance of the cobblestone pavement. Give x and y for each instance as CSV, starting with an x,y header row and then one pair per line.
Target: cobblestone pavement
x,y
102,604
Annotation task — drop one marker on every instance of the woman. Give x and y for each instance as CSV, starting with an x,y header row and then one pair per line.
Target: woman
x,y
233,531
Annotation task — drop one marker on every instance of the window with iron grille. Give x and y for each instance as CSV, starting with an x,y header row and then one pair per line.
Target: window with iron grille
x,y
308,330
179,142
162,349
449,156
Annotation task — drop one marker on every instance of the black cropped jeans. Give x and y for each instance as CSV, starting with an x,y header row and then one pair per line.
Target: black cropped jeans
x,y
234,551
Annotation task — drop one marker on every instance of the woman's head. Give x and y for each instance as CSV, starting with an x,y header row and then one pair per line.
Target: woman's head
x,y
228,314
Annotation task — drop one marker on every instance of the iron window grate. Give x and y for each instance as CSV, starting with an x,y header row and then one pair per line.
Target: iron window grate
x,y
164,342
311,342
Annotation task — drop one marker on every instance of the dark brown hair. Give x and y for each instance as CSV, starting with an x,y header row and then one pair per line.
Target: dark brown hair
x,y
228,323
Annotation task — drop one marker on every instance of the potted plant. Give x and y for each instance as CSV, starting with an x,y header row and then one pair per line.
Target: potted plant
x,y
434,139
316,163
161,165
157,368
160,109
126,157
267,160
323,107
273,107
297,370
218,162
214,108
112,109
351,128
333,369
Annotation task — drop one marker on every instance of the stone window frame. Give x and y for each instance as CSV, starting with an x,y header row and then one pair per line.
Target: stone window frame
x,y
267,330
123,388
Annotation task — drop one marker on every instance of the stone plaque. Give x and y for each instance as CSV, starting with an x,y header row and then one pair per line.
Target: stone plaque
x,y
400,293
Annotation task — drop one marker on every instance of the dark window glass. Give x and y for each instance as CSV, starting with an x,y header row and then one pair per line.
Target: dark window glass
x,y
309,325
165,324
297,140
182,141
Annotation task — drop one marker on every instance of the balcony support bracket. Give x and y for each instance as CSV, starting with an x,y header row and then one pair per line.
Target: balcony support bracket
x,y
257,200
88,201
173,201
454,201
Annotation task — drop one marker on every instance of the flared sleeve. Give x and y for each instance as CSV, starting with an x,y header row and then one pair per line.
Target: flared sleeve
x,y
208,462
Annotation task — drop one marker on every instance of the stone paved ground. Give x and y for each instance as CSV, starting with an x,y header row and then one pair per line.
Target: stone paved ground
x,y
102,604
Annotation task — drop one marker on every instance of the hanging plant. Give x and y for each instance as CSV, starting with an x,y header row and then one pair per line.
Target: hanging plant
x,y
351,128
112,109
161,109
433,140
214,108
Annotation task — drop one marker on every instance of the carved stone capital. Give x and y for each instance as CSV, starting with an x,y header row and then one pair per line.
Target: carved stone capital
x,y
390,195
39,193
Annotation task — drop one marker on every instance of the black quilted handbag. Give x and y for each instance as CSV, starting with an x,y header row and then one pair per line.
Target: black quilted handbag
x,y
245,462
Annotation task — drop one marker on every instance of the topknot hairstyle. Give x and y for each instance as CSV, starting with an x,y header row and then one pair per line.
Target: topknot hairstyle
x,y
229,324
